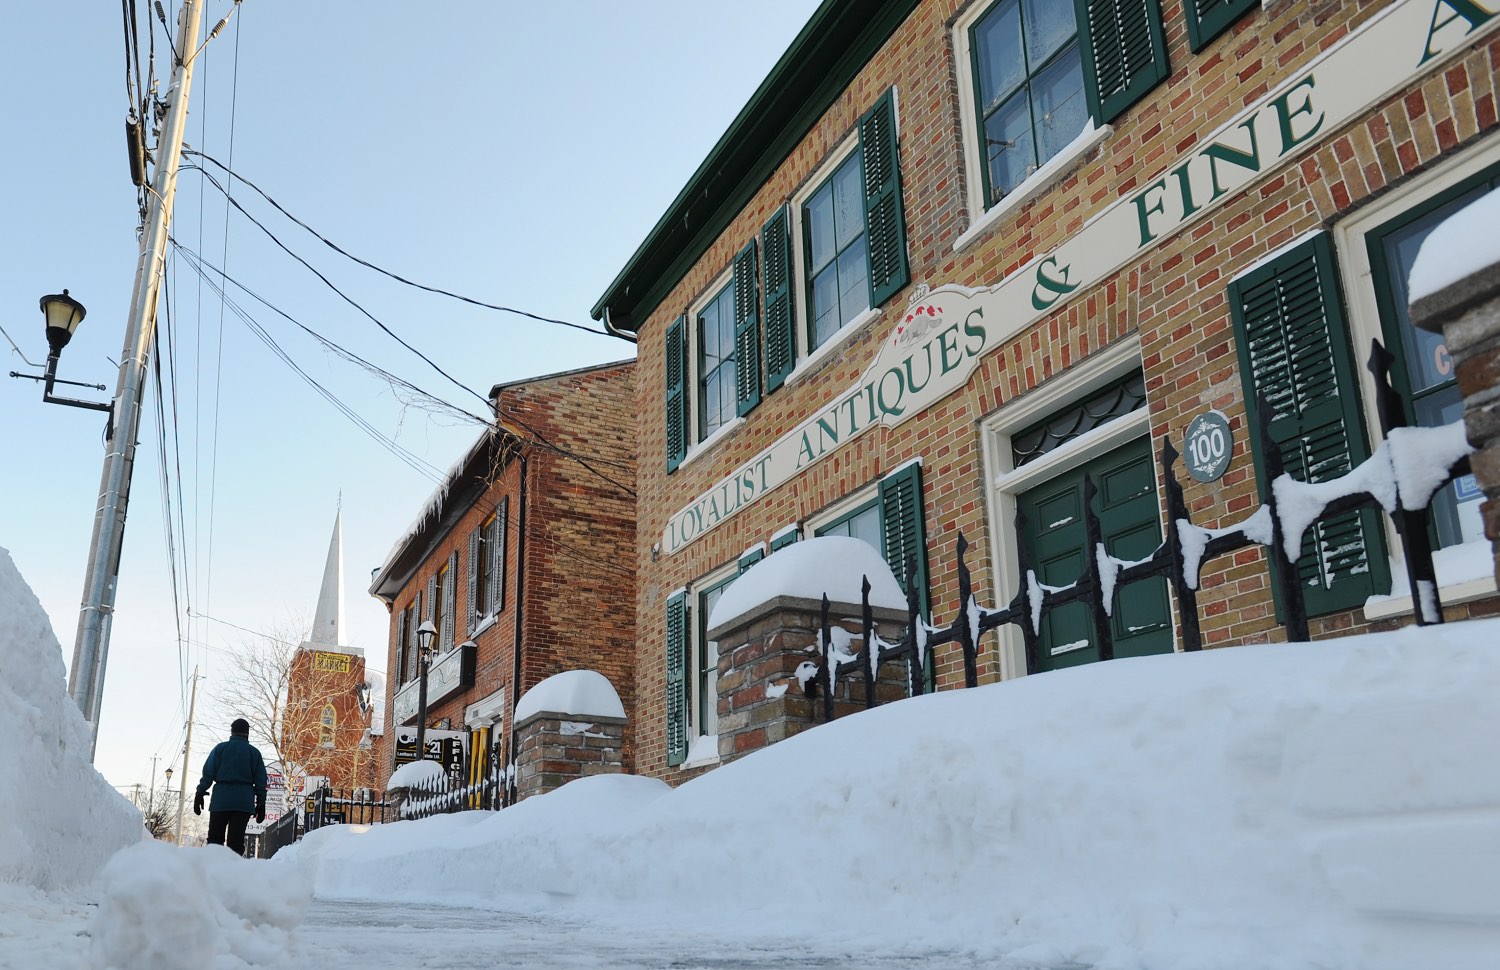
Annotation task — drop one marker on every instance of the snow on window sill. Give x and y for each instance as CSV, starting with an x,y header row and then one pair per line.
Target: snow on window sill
x,y
704,750
485,622
814,360
1040,180
1465,573
708,443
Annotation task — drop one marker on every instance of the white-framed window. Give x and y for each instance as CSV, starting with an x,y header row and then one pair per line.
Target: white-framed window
x,y
1375,247
1039,83
1019,464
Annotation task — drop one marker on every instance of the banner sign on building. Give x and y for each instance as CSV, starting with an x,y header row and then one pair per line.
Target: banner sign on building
x,y
947,330
449,673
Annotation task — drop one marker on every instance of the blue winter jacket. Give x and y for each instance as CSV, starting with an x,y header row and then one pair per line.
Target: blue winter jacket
x,y
238,775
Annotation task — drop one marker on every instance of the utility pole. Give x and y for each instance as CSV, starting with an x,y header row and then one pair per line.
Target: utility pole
x,y
91,648
152,803
187,747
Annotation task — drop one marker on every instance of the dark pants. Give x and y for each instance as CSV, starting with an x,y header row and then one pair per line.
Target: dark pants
x,y
230,824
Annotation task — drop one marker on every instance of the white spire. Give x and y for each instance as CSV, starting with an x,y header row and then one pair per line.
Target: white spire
x,y
328,618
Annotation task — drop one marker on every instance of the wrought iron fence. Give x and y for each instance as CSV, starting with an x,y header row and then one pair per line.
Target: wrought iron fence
x,y
276,836
346,806
440,796
1179,559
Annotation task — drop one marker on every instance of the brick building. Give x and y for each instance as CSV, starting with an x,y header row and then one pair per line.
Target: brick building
x,y
955,255
522,560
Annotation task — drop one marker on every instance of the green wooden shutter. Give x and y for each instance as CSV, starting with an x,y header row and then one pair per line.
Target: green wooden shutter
x,y
676,393
415,643
1294,352
905,526
1124,53
746,331
472,606
750,558
781,313
784,539
885,217
401,647
677,642
1207,19
450,582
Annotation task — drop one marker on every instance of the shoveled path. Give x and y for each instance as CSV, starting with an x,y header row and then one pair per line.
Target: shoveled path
x,y
339,935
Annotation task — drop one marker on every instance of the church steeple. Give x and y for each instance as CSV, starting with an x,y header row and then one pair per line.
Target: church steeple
x,y
328,619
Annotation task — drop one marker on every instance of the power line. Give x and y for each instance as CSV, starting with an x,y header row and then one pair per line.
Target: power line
x,y
385,272
411,460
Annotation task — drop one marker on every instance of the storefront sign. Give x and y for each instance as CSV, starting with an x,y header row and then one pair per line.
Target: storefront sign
x,y
945,332
444,747
450,672
1208,447
335,663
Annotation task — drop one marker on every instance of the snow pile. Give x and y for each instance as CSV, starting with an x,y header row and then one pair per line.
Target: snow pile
x,y
165,908
583,693
1461,245
1332,805
59,819
834,565
426,775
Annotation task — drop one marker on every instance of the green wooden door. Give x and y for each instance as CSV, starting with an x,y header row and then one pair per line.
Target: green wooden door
x,y
1126,503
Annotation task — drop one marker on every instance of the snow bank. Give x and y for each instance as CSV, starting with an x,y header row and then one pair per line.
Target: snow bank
x,y
834,565
584,693
165,908
428,775
1329,805
59,819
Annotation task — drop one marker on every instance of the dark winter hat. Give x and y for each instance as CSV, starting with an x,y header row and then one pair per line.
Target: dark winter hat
x,y
240,726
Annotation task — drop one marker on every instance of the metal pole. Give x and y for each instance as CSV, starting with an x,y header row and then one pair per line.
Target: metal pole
x,y
422,663
187,747
91,648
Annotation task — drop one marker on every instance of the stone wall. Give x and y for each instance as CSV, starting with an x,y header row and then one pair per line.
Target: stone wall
x,y
760,699
1467,314
554,749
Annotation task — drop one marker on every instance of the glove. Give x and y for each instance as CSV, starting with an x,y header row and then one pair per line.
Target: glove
x,y
260,810
198,804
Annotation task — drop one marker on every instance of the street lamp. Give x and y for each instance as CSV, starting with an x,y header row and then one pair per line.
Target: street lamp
x,y
426,633
63,315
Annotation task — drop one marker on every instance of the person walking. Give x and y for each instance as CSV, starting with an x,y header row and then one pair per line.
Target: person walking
x,y
237,773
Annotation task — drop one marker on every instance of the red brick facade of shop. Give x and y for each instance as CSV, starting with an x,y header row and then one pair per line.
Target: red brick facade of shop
x,y
324,728
559,475
1172,300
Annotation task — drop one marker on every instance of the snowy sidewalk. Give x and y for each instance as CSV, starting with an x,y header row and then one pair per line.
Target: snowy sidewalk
x,y
340,935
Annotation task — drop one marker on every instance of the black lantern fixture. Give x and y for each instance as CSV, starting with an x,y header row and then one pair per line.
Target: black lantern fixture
x,y
63,314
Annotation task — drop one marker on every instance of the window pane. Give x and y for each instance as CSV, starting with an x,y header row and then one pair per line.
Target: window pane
x,y
1061,111
708,336
849,204
997,50
1009,146
1049,25
866,526
820,228
1427,360
854,292
825,305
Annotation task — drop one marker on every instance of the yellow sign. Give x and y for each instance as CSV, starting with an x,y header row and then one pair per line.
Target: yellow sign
x,y
337,663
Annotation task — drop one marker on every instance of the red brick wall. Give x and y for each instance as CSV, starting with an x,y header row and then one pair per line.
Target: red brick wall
x,y
1173,300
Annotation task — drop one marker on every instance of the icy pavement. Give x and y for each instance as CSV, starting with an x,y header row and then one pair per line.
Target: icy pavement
x,y
339,934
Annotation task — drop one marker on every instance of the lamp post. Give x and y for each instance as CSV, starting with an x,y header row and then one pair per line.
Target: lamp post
x,y
425,635
63,315
168,793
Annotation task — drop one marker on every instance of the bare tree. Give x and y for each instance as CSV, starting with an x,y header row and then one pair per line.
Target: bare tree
x,y
159,809
254,686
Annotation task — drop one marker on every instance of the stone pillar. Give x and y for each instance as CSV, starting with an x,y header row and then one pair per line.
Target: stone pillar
x,y
1467,314
553,749
760,700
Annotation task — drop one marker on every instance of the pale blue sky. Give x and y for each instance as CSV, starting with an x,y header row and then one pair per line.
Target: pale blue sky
x,y
517,153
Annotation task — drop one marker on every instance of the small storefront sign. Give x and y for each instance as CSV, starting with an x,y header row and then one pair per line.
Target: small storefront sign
x,y
450,673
